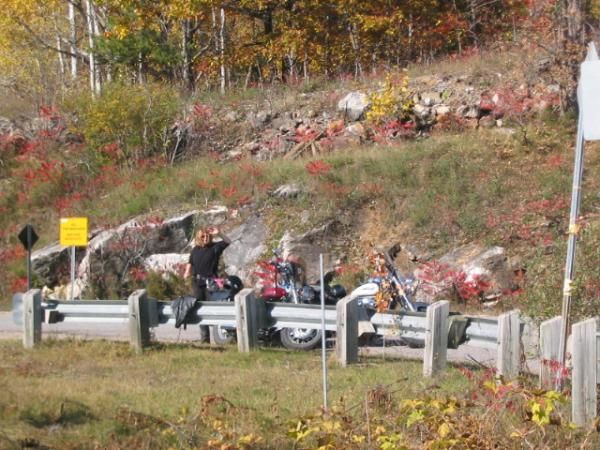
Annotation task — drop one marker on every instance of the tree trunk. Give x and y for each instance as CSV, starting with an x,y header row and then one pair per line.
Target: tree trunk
x,y
90,21
73,40
222,50
188,78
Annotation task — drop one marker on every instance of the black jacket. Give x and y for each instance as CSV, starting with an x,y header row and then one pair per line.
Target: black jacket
x,y
181,308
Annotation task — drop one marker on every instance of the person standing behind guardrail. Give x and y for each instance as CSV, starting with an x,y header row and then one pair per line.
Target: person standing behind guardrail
x,y
204,263
204,260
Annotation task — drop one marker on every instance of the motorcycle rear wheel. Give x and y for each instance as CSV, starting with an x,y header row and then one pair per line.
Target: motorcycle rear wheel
x,y
300,338
222,335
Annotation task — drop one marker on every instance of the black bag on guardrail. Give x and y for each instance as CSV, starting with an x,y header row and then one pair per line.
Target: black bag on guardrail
x,y
181,307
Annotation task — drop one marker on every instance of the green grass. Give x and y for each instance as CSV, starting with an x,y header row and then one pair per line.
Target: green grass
x,y
73,394
71,391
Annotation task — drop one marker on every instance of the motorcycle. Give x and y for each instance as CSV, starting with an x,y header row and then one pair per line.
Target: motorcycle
x,y
283,281
223,290
388,290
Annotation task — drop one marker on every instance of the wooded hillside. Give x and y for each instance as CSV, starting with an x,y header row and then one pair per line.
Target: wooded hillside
x,y
49,45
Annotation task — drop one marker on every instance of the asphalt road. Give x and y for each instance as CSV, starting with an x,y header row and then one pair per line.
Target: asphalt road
x,y
465,354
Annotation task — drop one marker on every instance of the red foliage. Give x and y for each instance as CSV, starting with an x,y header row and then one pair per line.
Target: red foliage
x,y
12,254
436,277
305,134
19,284
229,191
138,274
317,167
267,273
560,371
200,111
395,128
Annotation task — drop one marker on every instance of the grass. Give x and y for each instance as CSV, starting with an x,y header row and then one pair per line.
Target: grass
x,y
73,394
69,393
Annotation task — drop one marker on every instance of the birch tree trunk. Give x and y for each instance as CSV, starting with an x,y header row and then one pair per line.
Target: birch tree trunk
x,y
73,40
90,20
356,48
222,50
186,70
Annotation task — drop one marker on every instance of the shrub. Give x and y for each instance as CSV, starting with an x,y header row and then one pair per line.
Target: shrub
x,y
127,124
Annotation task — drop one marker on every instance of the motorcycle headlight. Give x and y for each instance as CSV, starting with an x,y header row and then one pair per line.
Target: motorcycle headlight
x,y
367,302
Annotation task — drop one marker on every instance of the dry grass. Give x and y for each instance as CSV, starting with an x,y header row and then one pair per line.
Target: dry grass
x,y
72,394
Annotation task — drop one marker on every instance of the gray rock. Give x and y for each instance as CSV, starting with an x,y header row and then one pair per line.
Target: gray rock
x,y
166,262
246,248
310,245
258,119
430,98
51,264
442,110
468,111
354,105
288,191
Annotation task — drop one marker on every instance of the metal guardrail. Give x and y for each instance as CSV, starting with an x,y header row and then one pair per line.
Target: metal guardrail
x,y
407,325
481,331
207,313
96,311
290,315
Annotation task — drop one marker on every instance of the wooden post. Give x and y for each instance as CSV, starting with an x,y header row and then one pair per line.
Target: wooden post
x,y
139,320
32,318
584,376
509,344
346,345
549,343
436,338
249,317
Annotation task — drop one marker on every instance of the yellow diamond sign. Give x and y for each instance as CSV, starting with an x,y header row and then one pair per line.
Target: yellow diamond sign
x,y
74,231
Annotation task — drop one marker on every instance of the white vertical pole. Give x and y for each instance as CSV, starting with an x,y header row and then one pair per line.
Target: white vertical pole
x,y
323,342
72,294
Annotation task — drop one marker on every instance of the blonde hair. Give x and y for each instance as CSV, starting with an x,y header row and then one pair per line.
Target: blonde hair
x,y
199,239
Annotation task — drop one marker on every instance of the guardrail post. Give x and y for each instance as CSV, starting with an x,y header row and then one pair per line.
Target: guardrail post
x,y
509,344
32,318
346,344
436,338
584,376
249,312
549,343
139,320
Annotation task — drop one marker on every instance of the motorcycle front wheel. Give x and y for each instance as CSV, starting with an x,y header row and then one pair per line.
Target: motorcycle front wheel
x,y
222,335
300,338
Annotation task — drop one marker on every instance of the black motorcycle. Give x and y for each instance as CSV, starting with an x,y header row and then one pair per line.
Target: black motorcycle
x,y
282,282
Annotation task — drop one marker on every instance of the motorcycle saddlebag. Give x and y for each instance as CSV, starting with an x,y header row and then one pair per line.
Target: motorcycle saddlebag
x,y
338,291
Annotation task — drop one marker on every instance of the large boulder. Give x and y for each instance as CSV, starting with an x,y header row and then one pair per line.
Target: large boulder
x,y
310,245
354,105
51,264
468,263
246,248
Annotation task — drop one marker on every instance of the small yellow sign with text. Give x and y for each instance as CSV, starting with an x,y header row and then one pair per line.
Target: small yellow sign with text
x,y
74,231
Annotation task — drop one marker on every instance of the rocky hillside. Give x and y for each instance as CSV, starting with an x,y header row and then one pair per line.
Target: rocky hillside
x,y
466,166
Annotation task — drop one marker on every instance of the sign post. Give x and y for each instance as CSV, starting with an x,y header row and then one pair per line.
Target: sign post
x,y
28,238
73,233
588,128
